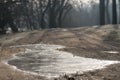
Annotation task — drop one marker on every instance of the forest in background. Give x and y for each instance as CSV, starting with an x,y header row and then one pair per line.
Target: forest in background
x,y
42,14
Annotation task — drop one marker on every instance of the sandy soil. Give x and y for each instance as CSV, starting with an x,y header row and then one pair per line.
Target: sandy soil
x,y
85,42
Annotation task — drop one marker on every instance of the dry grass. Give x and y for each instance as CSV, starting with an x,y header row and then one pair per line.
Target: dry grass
x,y
15,75
9,73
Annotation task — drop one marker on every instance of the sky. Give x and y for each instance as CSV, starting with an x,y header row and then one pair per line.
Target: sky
x,y
78,2
86,1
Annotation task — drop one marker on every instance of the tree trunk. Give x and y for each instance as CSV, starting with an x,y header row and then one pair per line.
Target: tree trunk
x,y
114,12
52,21
107,12
60,18
102,12
52,18
42,21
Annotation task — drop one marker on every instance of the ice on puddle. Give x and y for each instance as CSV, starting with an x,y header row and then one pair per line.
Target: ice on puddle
x,y
47,61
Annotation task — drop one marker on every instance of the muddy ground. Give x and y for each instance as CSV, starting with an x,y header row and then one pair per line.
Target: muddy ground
x,y
90,42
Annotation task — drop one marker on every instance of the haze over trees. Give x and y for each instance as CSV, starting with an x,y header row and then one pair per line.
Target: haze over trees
x,y
41,14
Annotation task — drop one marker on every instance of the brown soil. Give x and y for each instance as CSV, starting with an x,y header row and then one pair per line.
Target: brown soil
x,y
85,41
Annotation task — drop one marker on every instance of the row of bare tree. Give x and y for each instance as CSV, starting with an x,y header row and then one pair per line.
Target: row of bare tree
x,y
41,14
33,14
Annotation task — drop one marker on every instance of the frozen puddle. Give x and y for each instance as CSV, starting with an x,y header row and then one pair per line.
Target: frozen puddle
x,y
47,61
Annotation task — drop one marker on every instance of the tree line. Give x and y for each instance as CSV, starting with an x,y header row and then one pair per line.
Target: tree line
x,y
41,14
33,14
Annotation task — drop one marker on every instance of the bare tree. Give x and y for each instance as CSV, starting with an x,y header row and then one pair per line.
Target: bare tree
x,y
57,12
43,6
